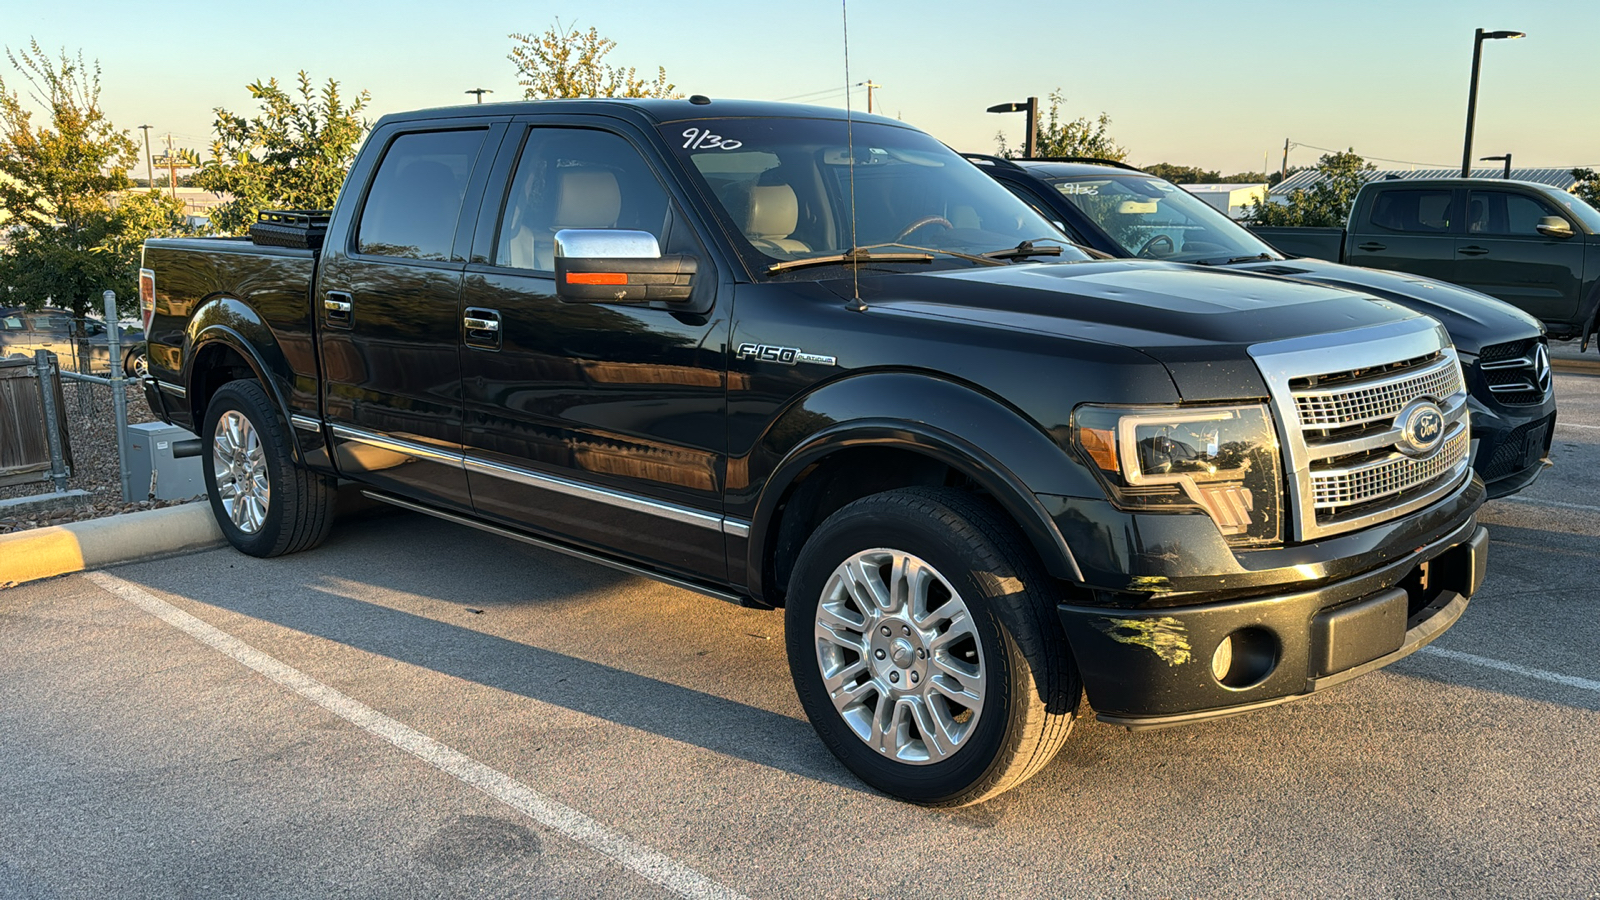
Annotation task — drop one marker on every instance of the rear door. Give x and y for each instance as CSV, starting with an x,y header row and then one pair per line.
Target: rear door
x,y
1408,230
602,423
386,305
1504,256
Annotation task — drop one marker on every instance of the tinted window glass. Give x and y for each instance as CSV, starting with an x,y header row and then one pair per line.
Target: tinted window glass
x,y
11,323
575,178
1578,209
1420,211
1502,212
1153,218
415,200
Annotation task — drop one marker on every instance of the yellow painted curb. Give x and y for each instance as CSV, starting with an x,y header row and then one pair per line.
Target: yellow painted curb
x,y
59,549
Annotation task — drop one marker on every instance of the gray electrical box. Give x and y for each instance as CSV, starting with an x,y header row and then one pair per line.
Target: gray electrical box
x,y
153,467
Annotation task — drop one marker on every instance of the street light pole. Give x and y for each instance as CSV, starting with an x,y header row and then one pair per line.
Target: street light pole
x,y
1030,145
480,92
1506,157
1478,37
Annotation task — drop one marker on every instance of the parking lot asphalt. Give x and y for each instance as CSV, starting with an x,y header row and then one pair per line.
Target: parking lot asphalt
x,y
417,709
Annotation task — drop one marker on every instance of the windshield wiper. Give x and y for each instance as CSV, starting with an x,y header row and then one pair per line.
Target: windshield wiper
x,y
853,256
1237,259
1026,248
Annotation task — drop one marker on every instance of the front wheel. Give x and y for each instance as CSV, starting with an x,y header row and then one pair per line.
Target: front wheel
x,y
264,503
925,648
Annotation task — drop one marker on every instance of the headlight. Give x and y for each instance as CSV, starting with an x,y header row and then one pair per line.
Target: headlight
x,y
1220,460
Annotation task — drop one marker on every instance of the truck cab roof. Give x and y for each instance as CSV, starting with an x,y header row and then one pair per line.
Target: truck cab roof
x,y
653,111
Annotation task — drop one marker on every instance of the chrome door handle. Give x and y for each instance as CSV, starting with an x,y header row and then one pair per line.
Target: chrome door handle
x,y
332,305
476,324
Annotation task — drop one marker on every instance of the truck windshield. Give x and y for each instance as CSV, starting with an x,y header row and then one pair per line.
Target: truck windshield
x,y
1153,218
784,188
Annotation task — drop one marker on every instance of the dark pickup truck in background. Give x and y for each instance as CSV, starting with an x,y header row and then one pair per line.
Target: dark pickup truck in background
x,y
1120,211
778,358
1531,245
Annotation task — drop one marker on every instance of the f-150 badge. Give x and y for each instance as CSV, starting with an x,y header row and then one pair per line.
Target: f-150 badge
x,y
787,355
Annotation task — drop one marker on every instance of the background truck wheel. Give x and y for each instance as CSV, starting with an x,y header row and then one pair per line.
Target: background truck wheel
x,y
924,644
136,364
264,503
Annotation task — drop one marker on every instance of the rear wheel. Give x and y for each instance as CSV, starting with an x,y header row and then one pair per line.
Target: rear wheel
x,y
925,648
264,503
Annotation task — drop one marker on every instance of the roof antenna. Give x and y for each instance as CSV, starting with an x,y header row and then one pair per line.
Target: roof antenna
x,y
850,146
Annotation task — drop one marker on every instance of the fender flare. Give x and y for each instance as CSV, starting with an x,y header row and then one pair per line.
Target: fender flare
x,y
205,332
1001,450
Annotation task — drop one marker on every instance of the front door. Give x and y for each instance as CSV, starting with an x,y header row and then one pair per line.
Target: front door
x,y
597,422
1503,255
387,317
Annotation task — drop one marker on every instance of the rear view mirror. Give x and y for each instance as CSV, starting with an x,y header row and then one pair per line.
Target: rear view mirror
x,y
1554,226
608,265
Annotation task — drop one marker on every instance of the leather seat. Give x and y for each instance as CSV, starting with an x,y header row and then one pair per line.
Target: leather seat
x,y
771,217
585,198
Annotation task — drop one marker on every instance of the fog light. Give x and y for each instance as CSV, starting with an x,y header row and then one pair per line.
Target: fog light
x,y
1245,658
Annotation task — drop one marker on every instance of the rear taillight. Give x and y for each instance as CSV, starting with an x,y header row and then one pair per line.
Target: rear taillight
x,y
147,297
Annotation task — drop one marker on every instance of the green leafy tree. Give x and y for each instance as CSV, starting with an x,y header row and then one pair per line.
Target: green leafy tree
x,y
1588,186
1182,174
565,62
74,228
1243,178
294,154
1326,204
1082,136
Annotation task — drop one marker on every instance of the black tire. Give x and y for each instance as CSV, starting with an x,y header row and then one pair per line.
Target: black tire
x,y
1024,670
136,364
296,512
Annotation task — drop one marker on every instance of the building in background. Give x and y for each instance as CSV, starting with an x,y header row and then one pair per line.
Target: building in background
x,y
1232,199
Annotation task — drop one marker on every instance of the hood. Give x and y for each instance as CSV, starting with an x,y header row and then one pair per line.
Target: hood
x,y
1474,320
1197,322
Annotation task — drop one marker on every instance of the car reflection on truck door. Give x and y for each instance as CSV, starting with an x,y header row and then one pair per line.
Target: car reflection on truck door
x,y
600,422
1412,230
1503,255
386,310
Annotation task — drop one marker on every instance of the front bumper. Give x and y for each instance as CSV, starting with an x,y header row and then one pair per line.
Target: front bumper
x,y
1151,668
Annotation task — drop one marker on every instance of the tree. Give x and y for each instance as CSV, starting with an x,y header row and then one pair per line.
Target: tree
x,y
565,62
1079,137
293,155
1326,203
1183,174
75,228
1588,186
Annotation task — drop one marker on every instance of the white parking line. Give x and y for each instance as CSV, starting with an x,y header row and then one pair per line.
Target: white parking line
x,y
657,867
1585,684
1530,501
1574,425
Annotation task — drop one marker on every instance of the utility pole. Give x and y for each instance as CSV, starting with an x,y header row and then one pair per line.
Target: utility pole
x,y
1285,173
149,173
172,169
870,86
480,92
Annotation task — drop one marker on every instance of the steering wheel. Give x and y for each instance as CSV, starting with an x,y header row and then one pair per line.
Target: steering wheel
x,y
923,222
1154,247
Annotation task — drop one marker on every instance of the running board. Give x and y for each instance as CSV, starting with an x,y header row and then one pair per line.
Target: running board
x,y
584,555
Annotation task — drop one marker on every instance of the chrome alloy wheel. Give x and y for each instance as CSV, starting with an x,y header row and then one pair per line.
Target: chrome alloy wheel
x,y
900,656
240,464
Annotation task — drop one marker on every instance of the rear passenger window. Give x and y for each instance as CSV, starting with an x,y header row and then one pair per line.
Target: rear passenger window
x,y
575,178
1416,211
415,200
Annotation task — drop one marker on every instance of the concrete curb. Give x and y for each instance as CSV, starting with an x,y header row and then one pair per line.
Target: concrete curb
x,y
59,549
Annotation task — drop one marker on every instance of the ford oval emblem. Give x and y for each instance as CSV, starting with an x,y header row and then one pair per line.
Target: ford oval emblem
x,y
1421,428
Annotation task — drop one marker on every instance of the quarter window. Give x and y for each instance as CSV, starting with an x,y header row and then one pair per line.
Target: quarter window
x,y
415,201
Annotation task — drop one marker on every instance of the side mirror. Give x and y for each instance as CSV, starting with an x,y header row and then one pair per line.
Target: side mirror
x,y
608,265
1554,226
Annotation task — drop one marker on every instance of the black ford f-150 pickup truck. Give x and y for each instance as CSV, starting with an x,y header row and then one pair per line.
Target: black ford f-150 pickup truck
x,y
1125,213
786,359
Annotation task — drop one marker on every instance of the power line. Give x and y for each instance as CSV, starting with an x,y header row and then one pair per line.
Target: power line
x,y
1406,162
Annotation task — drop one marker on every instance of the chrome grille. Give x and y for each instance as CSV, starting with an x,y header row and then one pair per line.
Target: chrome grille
x,y
1337,408
1342,402
1336,489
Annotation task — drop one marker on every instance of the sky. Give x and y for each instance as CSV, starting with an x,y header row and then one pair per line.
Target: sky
x,y
1219,85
